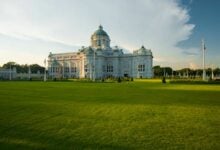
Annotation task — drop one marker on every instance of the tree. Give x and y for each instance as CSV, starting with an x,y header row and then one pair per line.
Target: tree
x,y
24,68
9,65
158,72
198,72
209,72
35,68
168,71
161,71
216,72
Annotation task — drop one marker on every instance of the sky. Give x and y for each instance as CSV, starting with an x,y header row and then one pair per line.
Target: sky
x,y
172,29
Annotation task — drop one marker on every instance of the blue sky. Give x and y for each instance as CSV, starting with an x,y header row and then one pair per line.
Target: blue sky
x,y
205,15
172,29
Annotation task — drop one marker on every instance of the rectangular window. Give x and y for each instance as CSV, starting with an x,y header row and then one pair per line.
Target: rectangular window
x,y
141,68
66,69
73,69
109,68
103,68
98,43
86,68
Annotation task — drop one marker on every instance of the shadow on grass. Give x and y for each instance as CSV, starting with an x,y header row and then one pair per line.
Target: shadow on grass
x,y
51,142
156,97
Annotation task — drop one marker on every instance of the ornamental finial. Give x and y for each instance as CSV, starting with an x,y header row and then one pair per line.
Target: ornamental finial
x,y
100,27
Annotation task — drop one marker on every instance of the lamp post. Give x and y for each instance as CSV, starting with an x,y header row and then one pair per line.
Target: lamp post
x,y
51,67
203,60
212,72
172,73
164,72
69,69
29,72
187,73
10,73
63,67
45,76
94,75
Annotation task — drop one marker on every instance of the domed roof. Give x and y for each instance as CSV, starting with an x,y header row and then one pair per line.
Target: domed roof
x,y
100,31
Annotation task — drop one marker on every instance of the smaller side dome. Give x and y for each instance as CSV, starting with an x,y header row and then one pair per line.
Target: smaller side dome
x,y
50,54
143,51
87,50
55,63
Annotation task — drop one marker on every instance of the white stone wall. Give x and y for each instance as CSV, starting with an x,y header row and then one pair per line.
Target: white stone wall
x,y
105,58
8,73
123,65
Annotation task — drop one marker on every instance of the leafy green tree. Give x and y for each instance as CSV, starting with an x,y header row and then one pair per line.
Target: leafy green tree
x,y
35,68
209,72
8,65
167,70
24,68
158,72
216,72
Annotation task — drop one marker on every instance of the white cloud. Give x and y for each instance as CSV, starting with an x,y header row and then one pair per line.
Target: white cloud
x,y
159,25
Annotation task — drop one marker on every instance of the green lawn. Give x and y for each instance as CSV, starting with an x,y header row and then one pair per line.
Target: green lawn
x,y
135,115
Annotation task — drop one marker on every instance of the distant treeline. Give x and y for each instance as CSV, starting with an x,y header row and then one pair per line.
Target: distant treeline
x,y
168,71
35,68
158,71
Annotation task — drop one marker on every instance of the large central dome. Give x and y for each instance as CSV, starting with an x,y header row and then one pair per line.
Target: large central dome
x,y
100,32
100,39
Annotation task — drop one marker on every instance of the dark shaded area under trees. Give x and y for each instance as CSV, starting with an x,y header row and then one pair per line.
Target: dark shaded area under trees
x,y
185,72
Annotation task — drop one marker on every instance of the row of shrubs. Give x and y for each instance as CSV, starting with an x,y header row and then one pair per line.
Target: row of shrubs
x,y
22,79
191,81
109,79
117,79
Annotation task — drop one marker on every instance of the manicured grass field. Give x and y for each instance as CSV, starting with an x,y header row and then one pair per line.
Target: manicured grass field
x,y
133,115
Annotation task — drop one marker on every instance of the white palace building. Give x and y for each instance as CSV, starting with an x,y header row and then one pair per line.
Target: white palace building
x,y
100,61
